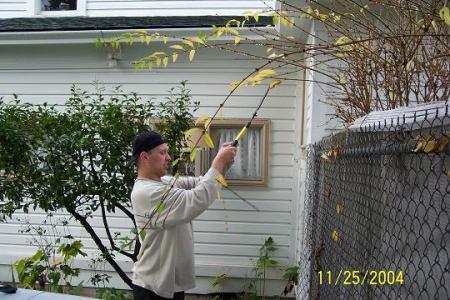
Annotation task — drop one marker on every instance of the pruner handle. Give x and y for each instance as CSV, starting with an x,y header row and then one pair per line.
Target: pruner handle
x,y
240,135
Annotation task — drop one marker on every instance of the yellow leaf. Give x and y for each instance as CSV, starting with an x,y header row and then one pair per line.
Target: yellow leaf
x,y
274,55
148,39
191,55
208,140
174,57
196,39
342,40
233,31
193,154
165,61
192,132
237,39
266,73
165,39
325,157
419,145
433,23
221,180
219,196
57,261
229,22
275,83
201,119
158,53
207,123
141,38
189,43
334,235
178,47
338,208
234,84
175,162
291,22
444,14
275,19
430,145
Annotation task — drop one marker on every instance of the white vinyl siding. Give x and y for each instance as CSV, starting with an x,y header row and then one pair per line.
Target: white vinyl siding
x,y
225,241
13,8
97,8
150,8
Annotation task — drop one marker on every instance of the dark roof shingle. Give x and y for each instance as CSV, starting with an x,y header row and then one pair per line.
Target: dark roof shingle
x,y
111,23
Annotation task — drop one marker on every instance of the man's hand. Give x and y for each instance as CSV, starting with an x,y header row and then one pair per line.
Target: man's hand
x,y
224,158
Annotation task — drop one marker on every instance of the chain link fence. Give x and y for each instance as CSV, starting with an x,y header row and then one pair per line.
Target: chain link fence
x,y
377,209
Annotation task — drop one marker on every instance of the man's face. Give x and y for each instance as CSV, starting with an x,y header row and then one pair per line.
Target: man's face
x,y
157,160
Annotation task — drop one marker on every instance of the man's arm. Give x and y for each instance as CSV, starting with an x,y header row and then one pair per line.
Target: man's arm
x,y
172,206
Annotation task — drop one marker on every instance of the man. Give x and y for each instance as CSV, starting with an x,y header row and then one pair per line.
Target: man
x,y
165,264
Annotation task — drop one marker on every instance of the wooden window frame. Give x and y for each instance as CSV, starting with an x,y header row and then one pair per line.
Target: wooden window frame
x,y
203,159
264,124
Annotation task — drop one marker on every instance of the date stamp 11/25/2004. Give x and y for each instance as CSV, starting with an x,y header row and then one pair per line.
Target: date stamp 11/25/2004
x,y
356,277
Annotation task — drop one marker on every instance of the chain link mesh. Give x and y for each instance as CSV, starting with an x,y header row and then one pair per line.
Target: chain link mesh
x,y
377,212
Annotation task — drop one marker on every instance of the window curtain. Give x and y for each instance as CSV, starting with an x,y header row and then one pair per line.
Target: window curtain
x,y
247,164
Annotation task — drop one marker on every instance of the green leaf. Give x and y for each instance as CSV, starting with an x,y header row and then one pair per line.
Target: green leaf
x,y
98,43
275,20
161,207
142,234
54,277
193,154
175,162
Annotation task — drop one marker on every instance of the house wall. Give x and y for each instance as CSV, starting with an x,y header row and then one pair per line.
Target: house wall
x,y
172,7
13,8
108,8
39,73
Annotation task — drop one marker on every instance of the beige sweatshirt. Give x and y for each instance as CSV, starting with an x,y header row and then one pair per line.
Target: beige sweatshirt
x,y
165,262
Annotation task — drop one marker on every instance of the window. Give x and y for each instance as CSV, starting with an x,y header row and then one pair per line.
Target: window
x,y
60,8
251,164
58,5
250,167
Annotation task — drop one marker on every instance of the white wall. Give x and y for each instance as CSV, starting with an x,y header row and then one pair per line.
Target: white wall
x,y
13,8
173,7
45,73
107,8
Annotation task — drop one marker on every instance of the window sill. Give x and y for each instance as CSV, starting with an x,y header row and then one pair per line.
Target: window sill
x,y
61,13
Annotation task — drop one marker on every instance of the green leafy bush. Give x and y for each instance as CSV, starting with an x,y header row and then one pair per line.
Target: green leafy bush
x,y
76,157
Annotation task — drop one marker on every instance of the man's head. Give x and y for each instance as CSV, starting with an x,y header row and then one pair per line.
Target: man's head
x,y
150,153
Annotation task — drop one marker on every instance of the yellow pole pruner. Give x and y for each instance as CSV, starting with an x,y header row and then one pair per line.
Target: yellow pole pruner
x,y
247,126
245,129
